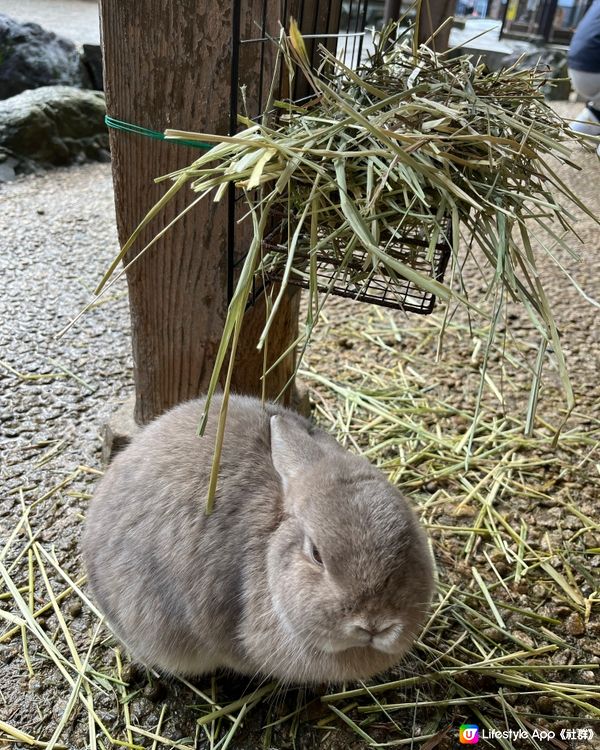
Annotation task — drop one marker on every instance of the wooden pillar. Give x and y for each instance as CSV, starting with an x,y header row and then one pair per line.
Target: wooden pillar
x,y
432,15
392,10
168,65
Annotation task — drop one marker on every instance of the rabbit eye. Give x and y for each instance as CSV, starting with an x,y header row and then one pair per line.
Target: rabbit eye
x,y
311,552
316,556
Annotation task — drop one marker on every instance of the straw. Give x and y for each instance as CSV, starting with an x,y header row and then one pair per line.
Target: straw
x,y
380,158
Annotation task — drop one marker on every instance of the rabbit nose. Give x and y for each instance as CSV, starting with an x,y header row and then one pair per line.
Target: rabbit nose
x,y
372,629
365,630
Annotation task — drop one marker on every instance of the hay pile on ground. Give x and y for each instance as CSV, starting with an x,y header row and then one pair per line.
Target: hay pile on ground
x,y
518,551
512,641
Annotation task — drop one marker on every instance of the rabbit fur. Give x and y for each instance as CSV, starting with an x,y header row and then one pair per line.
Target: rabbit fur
x,y
311,568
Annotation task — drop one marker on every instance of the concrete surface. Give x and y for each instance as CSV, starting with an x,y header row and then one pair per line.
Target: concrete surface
x,y
77,20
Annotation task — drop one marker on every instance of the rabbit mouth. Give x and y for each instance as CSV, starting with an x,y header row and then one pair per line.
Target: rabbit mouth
x,y
329,647
387,638
382,645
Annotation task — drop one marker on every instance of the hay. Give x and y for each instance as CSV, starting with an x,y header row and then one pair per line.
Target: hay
x,y
388,153
383,157
490,651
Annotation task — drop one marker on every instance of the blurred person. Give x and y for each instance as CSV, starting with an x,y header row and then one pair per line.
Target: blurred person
x,y
583,62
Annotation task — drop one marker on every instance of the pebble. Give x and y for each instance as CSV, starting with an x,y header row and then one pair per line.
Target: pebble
x,y
141,706
571,522
575,625
36,685
495,634
545,704
562,657
594,628
59,708
539,591
75,608
524,638
155,691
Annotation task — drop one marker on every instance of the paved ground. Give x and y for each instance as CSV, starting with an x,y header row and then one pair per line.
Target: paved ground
x,y
75,19
483,32
57,234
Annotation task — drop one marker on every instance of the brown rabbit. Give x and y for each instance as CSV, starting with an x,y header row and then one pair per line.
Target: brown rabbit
x,y
312,567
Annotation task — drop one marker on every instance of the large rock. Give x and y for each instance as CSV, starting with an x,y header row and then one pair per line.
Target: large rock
x,y
31,57
91,57
547,60
52,126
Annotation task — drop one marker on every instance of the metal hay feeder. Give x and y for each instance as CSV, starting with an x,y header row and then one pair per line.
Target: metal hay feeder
x,y
339,26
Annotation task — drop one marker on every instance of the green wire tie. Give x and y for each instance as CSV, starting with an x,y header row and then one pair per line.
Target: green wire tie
x,y
111,122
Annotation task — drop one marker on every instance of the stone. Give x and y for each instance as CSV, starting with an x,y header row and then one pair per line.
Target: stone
x,y
545,704
8,166
588,676
575,625
53,126
91,57
75,608
119,430
31,57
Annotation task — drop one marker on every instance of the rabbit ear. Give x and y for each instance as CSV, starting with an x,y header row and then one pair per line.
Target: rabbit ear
x,y
292,448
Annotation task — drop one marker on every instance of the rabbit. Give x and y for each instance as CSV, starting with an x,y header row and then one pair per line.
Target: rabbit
x,y
312,567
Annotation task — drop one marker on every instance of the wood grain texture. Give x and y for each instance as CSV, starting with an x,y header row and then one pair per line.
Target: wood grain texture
x,y
432,15
168,65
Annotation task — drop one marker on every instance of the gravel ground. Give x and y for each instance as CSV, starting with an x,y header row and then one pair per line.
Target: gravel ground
x,y
57,235
77,20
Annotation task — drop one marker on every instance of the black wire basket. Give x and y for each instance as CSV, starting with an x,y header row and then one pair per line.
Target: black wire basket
x,y
352,274
341,28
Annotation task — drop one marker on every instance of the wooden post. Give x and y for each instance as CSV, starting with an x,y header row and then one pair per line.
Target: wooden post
x,y
432,15
392,10
168,65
